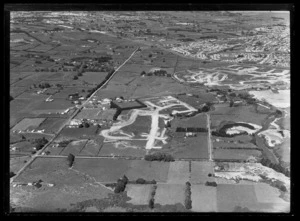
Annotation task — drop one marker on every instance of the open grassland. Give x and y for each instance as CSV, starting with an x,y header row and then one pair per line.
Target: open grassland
x,y
191,147
229,196
74,148
267,194
148,170
79,133
235,154
56,199
91,148
130,150
223,112
51,125
169,194
200,172
103,170
142,124
200,120
16,91
178,172
57,105
139,194
204,198
22,108
226,145
17,162
93,77
23,147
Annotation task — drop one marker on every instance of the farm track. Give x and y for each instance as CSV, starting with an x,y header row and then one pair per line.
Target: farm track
x,y
68,121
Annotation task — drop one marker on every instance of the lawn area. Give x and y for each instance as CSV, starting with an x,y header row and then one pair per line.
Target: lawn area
x,y
178,172
204,198
140,194
169,194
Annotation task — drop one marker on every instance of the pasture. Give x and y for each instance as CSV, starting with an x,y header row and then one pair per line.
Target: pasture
x,y
169,194
204,198
139,194
28,123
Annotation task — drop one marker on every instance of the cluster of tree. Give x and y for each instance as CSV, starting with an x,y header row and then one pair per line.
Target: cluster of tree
x,y
11,174
214,184
247,97
43,85
159,157
188,193
84,124
205,108
71,159
280,185
151,201
143,181
40,143
191,129
121,184
74,96
277,167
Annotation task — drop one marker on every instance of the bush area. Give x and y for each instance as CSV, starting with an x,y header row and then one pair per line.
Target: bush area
x,y
121,184
191,129
276,167
71,159
214,184
151,201
64,143
188,193
11,174
159,157
143,181
40,143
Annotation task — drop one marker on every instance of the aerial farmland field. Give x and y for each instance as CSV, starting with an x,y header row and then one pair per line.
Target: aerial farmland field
x,y
150,111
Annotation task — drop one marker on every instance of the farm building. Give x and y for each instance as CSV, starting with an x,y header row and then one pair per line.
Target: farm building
x,y
127,105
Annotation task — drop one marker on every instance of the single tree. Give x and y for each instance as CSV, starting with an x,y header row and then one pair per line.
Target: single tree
x,y
71,159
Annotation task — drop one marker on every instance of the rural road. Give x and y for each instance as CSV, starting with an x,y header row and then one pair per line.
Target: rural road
x,y
68,121
209,144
